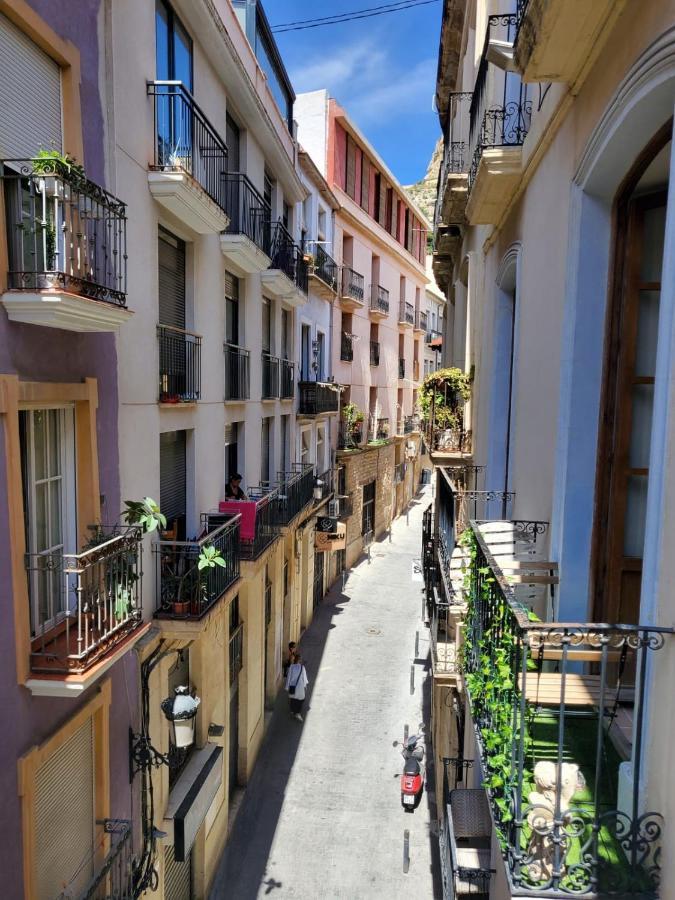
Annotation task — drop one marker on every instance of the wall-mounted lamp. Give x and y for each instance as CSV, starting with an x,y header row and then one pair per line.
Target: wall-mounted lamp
x,y
180,710
318,489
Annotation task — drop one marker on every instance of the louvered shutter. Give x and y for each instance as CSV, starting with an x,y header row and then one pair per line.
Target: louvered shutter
x,y
394,215
65,818
382,208
351,166
172,492
408,230
30,96
365,183
171,280
177,876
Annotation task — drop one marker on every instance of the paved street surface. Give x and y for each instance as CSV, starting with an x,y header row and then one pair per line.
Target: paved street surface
x,y
322,815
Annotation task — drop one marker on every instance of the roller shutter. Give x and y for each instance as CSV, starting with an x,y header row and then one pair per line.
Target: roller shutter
x,y
172,492
30,96
351,167
65,817
365,183
171,280
382,205
177,876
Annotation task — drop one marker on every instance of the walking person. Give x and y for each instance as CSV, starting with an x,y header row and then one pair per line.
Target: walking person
x,y
296,685
289,659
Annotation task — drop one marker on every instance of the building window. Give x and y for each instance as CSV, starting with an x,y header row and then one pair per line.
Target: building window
x,y
270,61
368,514
322,225
265,456
320,448
306,446
173,47
231,309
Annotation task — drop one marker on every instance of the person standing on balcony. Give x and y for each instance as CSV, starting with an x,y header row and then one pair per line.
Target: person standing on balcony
x,y
296,685
233,489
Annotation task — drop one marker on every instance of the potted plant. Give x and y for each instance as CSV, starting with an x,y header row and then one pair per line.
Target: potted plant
x,y
353,419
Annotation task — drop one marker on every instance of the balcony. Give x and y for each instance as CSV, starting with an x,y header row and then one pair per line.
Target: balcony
x,y
180,365
378,429
453,175
258,528
434,339
236,373
499,119
379,302
406,314
420,321
66,247
318,398
114,878
187,176
346,347
183,590
411,424
350,436
374,353
295,492
246,241
352,290
324,486
287,386
93,598
556,37
401,367
287,276
270,377
323,271
445,426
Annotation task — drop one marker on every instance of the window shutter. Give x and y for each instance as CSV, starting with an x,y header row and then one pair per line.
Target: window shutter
x,y
365,183
394,214
172,492
65,818
30,96
382,209
408,230
351,166
171,280
177,876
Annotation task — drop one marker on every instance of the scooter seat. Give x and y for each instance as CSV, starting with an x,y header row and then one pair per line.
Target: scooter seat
x,y
412,767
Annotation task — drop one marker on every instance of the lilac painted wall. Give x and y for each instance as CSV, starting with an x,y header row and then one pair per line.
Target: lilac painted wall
x,y
45,354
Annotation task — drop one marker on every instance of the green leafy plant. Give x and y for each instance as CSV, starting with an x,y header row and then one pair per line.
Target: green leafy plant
x,y
145,513
353,418
443,393
210,557
52,162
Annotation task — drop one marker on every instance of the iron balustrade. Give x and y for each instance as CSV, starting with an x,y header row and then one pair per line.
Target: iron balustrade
x,y
63,231
401,367
324,485
421,321
523,679
406,313
410,424
295,492
349,436
432,335
322,265
466,477
115,877
88,601
265,528
380,429
183,590
236,373
185,140
318,397
249,213
180,365
287,379
374,353
353,284
287,256
346,347
501,111
481,505
379,299
270,377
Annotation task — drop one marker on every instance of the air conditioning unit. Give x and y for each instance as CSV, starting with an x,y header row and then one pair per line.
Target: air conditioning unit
x,y
333,509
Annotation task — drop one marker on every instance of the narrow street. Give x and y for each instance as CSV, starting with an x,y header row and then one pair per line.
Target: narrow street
x,y
322,814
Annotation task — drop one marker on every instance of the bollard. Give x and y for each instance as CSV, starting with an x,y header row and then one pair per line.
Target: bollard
x,y
417,645
412,679
406,851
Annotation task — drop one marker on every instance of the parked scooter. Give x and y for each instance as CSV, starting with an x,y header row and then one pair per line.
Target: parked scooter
x,y
412,779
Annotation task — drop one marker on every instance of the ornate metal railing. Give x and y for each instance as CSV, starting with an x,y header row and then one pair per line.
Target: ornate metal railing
x,y
349,437
401,367
265,529
421,320
379,428
406,313
501,109
455,152
295,491
288,257
186,141
466,477
374,353
317,397
249,213
88,601
432,336
379,299
470,504
115,877
410,424
352,284
324,485
346,347
270,377
545,698
323,265
63,231
236,373
180,365
184,591
287,379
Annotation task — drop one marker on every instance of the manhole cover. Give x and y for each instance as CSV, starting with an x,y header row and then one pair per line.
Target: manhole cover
x,y
373,631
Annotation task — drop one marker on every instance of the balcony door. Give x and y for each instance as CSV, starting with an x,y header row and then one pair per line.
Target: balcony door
x,y
49,489
630,368
306,350
173,54
173,353
173,481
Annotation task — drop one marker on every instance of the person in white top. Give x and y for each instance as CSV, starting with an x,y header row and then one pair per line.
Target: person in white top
x,y
296,686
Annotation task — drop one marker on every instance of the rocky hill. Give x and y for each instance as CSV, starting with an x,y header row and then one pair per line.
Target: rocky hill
x,y
423,192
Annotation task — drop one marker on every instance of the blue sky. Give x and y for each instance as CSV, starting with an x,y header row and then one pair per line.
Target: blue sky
x,y
381,69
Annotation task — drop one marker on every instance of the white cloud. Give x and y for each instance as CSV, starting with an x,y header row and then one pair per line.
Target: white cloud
x,y
401,93
362,59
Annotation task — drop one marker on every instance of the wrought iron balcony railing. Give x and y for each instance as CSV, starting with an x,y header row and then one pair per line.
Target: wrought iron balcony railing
x,y
317,397
288,257
349,436
184,591
185,140
324,485
63,231
352,284
432,336
379,299
374,353
546,699
180,365
115,877
421,320
401,367
287,379
89,601
455,157
322,265
295,491
501,109
270,377
236,373
346,347
249,213
379,429
258,527
410,424
406,313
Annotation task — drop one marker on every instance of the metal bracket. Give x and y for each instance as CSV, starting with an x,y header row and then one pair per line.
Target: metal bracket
x,y
142,755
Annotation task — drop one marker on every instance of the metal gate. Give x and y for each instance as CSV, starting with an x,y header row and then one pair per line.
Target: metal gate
x,y
318,579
